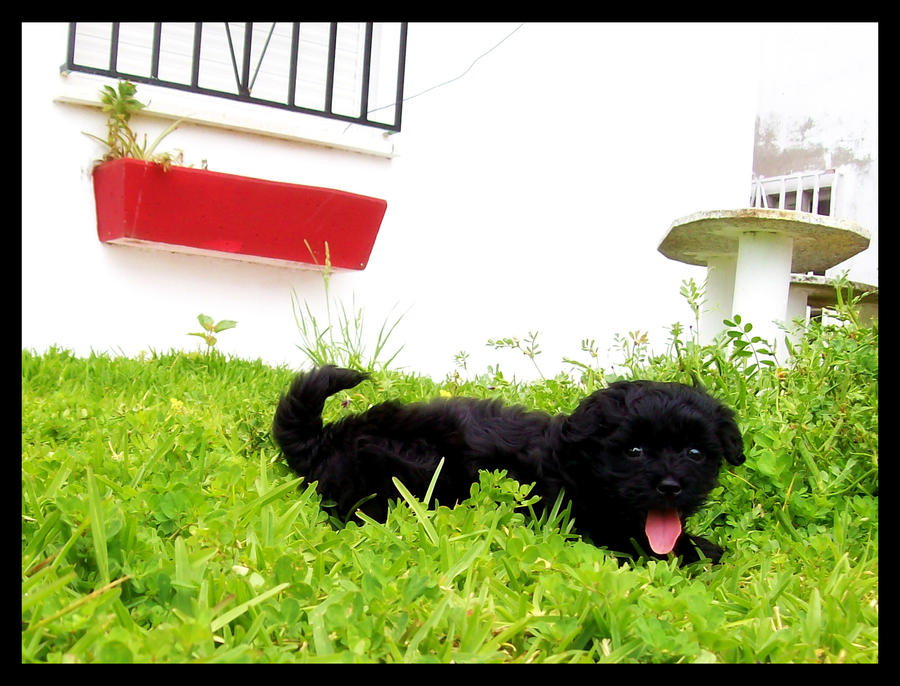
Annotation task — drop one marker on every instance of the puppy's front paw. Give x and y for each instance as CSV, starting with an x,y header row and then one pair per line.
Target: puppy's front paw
x,y
694,548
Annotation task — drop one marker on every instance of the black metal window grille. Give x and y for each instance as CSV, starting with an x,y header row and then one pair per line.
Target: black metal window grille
x,y
275,67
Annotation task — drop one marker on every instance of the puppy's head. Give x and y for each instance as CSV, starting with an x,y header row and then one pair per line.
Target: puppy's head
x,y
653,451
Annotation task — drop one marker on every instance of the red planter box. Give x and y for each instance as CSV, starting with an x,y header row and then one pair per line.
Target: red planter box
x,y
200,211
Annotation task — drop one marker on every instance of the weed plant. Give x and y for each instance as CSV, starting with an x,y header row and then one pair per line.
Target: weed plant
x,y
119,104
160,525
340,338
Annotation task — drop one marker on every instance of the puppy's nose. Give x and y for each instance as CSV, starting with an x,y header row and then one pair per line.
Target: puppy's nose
x,y
668,486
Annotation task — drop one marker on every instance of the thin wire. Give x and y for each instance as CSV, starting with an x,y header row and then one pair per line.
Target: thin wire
x,y
456,78
464,73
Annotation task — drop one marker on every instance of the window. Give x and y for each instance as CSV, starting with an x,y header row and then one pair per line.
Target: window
x,y
347,71
802,192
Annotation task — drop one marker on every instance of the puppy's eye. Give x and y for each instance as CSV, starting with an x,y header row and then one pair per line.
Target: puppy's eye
x,y
635,452
695,455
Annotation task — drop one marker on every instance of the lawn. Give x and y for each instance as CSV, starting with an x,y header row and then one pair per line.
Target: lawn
x,y
159,523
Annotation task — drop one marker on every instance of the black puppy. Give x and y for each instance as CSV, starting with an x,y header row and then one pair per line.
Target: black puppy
x,y
635,458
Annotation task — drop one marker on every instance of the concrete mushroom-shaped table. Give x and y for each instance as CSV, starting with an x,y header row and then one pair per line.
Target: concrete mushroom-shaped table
x,y
750,255
819,291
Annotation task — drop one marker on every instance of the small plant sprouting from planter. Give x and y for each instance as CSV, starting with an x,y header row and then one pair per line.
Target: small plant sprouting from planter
x,y
121,141
209,328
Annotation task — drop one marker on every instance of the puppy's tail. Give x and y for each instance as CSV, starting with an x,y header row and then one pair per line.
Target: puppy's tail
x,y
298,419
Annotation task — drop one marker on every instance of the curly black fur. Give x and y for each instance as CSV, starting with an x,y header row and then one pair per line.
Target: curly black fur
x,y
632,448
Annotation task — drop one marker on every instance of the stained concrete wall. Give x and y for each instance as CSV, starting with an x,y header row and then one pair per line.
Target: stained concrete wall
x,y
818,109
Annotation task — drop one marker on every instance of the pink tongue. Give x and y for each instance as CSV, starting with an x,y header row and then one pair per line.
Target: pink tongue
x,y
663,528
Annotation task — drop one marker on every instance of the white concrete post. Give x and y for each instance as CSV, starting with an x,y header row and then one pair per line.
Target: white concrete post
x,y
796,308
719,296
797,297
762,282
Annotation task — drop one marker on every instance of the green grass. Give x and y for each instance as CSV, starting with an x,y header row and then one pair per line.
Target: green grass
x,y
159,525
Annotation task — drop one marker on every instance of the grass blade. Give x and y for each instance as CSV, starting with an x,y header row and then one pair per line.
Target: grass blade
x,y
419,511
274,494
78,603
236,612
98,533
31,599
433,482
429,624
43,534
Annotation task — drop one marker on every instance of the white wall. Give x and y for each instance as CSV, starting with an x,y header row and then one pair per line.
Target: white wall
x,y
529,194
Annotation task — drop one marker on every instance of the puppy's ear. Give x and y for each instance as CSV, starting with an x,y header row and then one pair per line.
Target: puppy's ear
x,y
596,416
730,437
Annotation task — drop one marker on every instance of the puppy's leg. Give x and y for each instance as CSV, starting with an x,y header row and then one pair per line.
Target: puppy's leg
x,y
690,548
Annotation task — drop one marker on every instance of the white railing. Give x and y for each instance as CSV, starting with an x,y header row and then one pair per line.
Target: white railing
x,y
800,192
